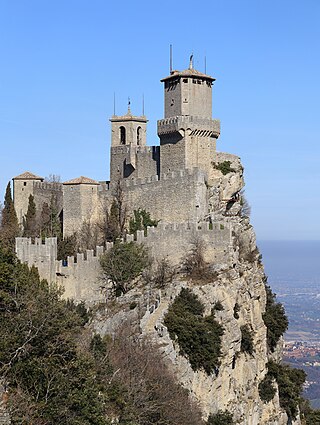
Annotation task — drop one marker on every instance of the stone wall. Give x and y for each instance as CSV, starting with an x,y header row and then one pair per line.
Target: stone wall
x,y
175,197
42,192
128,161
41,255
80,277
174,241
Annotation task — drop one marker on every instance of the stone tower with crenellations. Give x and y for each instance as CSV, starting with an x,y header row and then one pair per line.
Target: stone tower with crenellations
x,y
170,181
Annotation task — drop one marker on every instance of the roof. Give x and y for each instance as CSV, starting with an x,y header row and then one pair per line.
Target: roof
x,y
82,180
27,176
190,72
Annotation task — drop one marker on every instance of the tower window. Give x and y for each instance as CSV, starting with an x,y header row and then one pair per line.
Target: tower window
x,y
122,135
194,81
24,183
138,135
185,80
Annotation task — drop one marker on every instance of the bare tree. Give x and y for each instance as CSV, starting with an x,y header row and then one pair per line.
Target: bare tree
x,y
154,395
53,178
245,206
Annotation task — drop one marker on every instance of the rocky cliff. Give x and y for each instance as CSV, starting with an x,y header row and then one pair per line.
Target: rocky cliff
x,y
237,284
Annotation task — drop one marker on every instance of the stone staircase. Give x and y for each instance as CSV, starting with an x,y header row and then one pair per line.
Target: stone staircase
x,y
156,316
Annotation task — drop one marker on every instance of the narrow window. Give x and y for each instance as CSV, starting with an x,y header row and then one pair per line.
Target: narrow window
x,y
122,135
138,135
185,80
24,183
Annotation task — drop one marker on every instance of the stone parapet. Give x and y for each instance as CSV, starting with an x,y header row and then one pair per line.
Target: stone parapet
x,y
176,124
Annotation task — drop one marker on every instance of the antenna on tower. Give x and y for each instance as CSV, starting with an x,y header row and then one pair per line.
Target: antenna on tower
x,y
129,104
170,58
191,62
205,64
114,103
142,104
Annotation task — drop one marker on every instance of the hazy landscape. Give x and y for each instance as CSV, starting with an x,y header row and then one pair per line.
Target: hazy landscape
x,y
293,272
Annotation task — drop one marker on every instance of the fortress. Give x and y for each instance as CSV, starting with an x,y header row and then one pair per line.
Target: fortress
x,y
195,194
181,182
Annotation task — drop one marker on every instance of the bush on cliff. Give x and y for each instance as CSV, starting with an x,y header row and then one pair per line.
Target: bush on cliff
x,y
247,340
221,418
199,337
290,382
274,318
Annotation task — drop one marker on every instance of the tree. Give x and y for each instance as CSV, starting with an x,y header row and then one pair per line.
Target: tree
x,y
274,318
50,379
9,227
194,264
199,337
30,224
245,206
123,263
141,220
152,393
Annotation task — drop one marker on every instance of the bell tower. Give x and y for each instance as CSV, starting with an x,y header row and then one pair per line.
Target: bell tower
x,y
187,133
128,138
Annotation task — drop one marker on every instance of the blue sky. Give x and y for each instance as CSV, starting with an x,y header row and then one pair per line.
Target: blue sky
x,y
62,61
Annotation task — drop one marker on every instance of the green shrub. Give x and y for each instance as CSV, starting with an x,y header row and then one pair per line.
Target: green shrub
x,y
224,167
141,220
220,418
267,389
290,382
274,318
199,337
122,264
247,340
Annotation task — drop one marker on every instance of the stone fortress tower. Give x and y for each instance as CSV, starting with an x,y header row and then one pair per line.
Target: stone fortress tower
x,y
170,181
187,133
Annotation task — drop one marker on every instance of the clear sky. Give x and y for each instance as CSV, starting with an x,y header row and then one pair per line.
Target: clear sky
x,y
62,61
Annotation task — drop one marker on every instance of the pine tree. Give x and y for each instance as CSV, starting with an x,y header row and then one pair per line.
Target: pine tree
x,y
30,225
9,227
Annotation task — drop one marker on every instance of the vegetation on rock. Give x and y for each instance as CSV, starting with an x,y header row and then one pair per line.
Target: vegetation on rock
x,y
199,337
224,167
221,418
274,318
290,382
247,345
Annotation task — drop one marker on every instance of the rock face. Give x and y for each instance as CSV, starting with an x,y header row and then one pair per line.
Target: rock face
x,y
239,286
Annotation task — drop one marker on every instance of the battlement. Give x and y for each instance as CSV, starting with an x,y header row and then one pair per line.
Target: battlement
x,y
48,186
175,240
175,124
173,175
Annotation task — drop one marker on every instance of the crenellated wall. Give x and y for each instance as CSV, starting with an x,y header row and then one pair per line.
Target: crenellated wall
x,y
80,276
175,197
174,241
